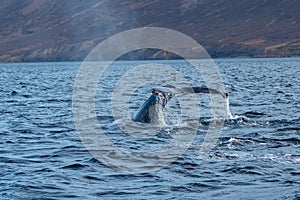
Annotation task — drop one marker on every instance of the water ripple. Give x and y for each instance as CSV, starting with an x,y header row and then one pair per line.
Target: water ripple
x,y
257,153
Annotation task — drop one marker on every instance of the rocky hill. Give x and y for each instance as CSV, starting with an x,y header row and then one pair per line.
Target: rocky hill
x,y
59,30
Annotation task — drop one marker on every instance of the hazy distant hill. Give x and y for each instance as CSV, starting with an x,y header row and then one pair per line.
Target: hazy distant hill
x,y
58,30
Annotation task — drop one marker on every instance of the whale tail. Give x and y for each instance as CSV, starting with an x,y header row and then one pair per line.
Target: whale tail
x,y
152,109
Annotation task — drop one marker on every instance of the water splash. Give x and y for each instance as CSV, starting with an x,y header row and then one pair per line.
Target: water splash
x,y
236,118
228,113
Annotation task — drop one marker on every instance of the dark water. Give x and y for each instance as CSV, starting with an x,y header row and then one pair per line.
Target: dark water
x,y
257,155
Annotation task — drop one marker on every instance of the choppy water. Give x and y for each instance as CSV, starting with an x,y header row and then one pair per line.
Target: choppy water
x,y
257,155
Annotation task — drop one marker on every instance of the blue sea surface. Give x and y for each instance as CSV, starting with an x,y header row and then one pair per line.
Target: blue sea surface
x,y
257,155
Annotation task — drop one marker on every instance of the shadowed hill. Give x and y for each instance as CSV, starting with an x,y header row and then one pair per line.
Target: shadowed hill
x,y
45,30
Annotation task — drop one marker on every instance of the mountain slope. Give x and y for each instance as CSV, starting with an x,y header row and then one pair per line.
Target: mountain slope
x,y
45,30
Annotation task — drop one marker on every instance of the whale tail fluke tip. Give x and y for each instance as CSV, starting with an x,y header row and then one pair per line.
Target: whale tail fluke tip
x,y
225,95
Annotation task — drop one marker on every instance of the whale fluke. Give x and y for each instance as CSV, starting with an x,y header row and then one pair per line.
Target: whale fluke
x,y
152,109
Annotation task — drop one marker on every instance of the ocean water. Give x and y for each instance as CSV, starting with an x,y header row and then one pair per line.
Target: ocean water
x,y
256,156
